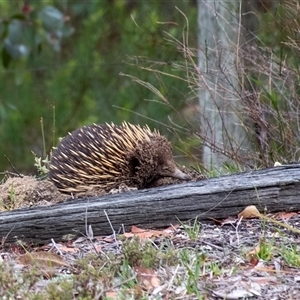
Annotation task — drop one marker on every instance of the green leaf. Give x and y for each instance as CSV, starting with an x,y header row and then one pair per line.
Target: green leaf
x,y
2,30
52,18
6,58
15,50
15,31
39,47
67,31
18,17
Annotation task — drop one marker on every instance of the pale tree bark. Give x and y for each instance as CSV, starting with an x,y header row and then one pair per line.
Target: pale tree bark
x,y
220,87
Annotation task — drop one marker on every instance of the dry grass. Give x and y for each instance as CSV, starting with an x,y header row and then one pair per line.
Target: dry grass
x,y
261,93
197,261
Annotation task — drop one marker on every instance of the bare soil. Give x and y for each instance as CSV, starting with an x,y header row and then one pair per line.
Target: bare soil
x,y
27,191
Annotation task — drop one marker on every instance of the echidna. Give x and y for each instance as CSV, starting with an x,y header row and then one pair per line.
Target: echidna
x,y
104,156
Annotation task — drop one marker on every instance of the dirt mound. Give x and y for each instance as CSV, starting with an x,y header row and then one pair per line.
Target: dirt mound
x,y
27,191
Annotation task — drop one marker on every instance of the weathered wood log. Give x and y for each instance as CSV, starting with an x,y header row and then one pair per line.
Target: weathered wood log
x,y
274,189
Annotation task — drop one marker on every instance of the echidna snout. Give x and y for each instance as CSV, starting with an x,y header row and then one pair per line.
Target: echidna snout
x,y
172,171
104,156
167,167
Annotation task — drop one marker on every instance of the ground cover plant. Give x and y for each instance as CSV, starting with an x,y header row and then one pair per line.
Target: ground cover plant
x,y
239,260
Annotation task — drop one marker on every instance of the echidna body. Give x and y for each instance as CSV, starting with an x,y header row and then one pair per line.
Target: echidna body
x,y
104,156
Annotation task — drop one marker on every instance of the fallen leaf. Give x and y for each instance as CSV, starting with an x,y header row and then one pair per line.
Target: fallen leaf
x,y
135,229
249,212
147,278
171,229
79,240
145,233
42,259
128,234
98,248
286,215
111,295
65,247
254,251
69,249
263,280
253,261
238,293
142,233
108,239
228,221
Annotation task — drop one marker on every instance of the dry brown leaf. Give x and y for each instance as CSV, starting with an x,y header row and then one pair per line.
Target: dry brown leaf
x,y
145,233
42,259
286,215
254,251
135,229
249,212
66,248
253,260
249,225
141,233
147,278
98,248
228,221
171,229
108,239
263,280
111,295
128,234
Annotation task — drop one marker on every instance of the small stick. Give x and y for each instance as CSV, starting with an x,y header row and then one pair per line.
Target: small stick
x,y
20,175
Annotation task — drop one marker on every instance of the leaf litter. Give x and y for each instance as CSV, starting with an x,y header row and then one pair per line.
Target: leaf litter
x,y
241,260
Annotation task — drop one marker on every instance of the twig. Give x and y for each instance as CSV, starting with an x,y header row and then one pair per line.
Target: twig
x,y
20,175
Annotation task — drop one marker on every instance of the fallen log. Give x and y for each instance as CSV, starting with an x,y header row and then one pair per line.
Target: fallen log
x,y
272,190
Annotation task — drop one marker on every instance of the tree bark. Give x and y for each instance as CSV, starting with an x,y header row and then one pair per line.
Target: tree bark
x,y
221,111
272,190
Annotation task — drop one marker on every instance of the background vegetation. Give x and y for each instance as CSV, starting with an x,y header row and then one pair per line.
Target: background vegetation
x,y
74,80
63,61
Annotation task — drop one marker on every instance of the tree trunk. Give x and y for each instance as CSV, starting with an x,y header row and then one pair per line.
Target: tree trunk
x,y
221,111
271,190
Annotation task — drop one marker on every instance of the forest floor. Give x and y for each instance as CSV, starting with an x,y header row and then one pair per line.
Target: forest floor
x,y
228,259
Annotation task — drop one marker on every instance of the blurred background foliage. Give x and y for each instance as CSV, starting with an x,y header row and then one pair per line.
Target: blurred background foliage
x,y
61,63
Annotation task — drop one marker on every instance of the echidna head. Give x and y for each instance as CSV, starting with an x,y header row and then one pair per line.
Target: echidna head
x,y
151,160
